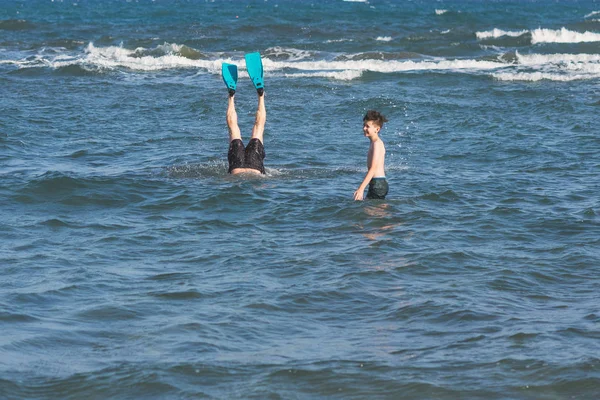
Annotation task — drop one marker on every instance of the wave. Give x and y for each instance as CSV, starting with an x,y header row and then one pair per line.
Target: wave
x,y
542,35
553,67
347,75
593,13
379,55
544,59
275,60
167,56
498,33
287,53
338,40
290,62
394,65
562,35
539,76
445,12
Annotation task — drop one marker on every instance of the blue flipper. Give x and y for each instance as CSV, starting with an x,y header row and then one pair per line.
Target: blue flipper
x,y
255,70
230,76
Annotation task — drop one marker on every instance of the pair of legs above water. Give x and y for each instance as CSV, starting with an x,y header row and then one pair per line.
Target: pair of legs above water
x,y
250,158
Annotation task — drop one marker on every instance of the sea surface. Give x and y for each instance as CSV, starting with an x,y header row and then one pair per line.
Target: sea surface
x,y
132,266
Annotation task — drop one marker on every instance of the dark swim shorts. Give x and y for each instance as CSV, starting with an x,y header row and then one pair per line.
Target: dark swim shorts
x,y
378,188
250,157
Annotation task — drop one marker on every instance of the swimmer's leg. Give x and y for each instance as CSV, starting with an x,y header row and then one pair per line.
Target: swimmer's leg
x,y
232,120
261,117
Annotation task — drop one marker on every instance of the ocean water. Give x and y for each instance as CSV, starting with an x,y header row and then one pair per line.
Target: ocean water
x,y
134,267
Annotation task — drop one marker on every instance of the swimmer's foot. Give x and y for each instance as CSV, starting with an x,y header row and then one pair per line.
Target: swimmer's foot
x,y
260,91
231,92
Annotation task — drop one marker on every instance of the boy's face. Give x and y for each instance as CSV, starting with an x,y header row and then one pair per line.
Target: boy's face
x,y
370,128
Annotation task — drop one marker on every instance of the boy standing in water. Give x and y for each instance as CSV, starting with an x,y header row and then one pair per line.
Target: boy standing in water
x,y
375,178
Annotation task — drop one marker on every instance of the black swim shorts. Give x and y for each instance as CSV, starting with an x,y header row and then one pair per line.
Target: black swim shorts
x,y
378,188
251,156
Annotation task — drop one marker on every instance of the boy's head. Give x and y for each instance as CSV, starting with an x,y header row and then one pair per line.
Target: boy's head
x,y
375,117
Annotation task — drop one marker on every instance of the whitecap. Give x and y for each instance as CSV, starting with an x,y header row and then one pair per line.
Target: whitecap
x,y
538,76
562,35
496,33
338,40
116,56
289,53
387,66
345,75
544,59
592,14
553,67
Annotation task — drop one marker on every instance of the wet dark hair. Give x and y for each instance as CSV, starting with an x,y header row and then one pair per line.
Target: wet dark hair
x,y
376,117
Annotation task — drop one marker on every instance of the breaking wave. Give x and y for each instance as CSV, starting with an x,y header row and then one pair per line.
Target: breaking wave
x,y
541,35
290,62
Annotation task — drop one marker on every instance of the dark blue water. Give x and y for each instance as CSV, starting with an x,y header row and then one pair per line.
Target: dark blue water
x,y
133,266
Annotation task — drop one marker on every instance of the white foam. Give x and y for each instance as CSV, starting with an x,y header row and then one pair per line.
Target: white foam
x,y
592,14
346,75
440,12
384,39
35,61
562,35
539,76
384,66
301,63
114,57
291,53
544,59
542,35
553,67
497,49
339,40
496,33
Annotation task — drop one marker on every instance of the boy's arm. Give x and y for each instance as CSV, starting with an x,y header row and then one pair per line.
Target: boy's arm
x,y
378,152
359,194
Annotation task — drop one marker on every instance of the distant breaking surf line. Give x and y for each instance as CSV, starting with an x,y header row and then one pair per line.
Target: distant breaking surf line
x,y
527,67
542,35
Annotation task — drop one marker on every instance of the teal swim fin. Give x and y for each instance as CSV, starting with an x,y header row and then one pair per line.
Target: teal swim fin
x,y
255,70
230,75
